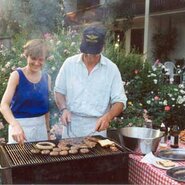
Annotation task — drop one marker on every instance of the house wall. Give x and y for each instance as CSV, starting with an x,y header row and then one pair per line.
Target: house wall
x,y
162,22
108,1
179,52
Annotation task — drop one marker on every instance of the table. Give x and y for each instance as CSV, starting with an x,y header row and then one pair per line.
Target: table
x,y
147,174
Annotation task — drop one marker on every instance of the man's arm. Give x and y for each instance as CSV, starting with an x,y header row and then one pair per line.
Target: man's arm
x,y
60,100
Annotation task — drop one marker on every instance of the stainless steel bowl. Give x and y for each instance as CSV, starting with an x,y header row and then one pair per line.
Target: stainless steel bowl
x,y
140,140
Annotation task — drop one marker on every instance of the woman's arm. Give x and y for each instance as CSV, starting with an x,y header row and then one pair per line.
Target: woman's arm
x,y
18,133
7,97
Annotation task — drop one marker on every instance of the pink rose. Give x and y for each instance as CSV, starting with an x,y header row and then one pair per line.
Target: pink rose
x,y
157,61
136,71
167,108
156,98
48,36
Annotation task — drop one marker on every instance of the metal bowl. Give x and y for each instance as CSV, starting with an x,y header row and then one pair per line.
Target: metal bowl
x,y
140,140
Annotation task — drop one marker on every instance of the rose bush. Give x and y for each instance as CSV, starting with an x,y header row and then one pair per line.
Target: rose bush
x,y
167,105
149,96
148,92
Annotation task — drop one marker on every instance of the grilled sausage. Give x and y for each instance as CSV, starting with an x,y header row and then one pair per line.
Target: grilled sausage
x,y
45,145
84,150
113,148
35,151
74,147
56,149
74,151
45,152
64,153
64,148
53,153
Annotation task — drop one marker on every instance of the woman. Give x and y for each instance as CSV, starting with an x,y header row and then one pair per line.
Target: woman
x,y
25,103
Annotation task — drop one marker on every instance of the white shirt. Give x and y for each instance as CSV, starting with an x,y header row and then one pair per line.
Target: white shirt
x,y
90,95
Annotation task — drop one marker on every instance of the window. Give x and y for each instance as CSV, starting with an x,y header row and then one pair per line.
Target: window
x,y
137,40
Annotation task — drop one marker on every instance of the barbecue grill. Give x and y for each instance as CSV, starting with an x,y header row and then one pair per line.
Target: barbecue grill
x,y
99,166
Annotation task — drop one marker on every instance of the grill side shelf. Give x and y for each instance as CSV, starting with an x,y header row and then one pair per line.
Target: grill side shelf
x,y
5,160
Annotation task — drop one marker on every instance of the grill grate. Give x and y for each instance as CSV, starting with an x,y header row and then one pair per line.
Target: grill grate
x,y
21,156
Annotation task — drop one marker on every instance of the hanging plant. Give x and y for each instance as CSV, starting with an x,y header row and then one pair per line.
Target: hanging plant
x,y
164,43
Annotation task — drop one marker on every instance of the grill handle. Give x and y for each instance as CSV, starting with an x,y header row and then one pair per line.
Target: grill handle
x,y
3,152
4,168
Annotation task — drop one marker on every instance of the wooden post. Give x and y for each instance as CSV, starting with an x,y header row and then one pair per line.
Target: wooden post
x,y
146,28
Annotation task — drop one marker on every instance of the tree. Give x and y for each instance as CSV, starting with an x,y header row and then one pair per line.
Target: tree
x,y
32,16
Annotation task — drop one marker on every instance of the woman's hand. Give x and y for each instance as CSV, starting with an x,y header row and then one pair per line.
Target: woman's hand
x,y
18,133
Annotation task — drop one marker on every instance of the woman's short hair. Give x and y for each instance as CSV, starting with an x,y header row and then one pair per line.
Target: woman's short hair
x,y
36,48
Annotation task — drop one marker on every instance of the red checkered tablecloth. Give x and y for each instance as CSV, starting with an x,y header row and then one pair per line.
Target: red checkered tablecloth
x,y
147,174
142,173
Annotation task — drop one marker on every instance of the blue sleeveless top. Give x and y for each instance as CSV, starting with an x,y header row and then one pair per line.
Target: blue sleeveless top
x,y
30,99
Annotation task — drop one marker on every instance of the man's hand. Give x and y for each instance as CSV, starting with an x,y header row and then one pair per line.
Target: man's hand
x,y
65,118
103,123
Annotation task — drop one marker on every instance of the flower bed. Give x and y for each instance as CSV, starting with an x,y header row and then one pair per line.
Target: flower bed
x,y
149,96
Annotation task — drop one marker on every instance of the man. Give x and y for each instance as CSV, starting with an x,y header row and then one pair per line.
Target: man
x,y
88,89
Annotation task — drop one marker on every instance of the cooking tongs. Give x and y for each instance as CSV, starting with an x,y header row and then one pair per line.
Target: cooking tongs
x,y
69,130
91,133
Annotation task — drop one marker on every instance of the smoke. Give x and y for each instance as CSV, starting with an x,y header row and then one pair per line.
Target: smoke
x,y
31,16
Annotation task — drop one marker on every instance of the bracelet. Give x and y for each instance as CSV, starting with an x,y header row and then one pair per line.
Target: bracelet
x,y
61,111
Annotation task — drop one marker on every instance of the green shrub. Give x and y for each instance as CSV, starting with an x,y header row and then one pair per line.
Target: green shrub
x,y
147,91
145,88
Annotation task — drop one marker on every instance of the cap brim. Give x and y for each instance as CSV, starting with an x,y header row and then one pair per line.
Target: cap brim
x,y
88,49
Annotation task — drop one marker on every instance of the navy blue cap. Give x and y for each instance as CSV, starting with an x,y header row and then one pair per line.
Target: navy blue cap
x,y
93,40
